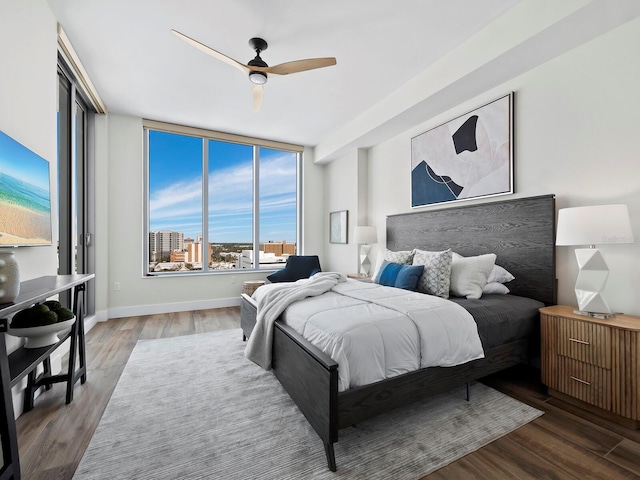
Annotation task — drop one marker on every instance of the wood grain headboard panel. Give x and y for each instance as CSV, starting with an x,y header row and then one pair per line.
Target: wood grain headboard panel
x,y
521,232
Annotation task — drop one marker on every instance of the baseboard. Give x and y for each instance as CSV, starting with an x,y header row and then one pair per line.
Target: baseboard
x,y
138,310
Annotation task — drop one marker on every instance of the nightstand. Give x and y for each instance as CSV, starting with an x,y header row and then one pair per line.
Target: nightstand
x,y
361,278
593,363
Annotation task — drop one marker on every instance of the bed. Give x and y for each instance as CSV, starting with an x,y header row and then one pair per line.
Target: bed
x,y
520,232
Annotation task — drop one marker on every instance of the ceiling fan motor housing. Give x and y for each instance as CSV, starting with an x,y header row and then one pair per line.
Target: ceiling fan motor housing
x,y
259,45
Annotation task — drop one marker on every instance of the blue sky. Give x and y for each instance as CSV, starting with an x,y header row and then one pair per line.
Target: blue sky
x,y
175,186
20,162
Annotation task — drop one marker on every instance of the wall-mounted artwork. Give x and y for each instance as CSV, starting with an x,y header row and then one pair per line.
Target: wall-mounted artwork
x,y
468,157
25,197
338,225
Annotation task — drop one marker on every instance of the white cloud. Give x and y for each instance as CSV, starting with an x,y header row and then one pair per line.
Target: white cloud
x,y
179,206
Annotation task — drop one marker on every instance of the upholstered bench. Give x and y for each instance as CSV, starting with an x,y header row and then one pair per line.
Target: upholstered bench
x,y
248,313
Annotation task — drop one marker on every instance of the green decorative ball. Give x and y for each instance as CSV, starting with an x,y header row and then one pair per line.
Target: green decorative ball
x,y
64,314
53,304
40,309
47,318
23,319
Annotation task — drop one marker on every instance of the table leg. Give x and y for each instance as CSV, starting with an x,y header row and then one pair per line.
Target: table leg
x,y
75,329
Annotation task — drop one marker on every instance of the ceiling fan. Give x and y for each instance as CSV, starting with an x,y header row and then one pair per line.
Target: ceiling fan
x,y
257,69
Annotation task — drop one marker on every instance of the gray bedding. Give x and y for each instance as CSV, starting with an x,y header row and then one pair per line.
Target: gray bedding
x,y
502,319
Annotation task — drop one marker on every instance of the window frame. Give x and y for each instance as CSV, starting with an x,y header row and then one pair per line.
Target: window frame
x,y
75,166
206,135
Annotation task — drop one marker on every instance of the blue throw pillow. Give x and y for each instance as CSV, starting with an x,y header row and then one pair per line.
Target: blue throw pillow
x,y
399,276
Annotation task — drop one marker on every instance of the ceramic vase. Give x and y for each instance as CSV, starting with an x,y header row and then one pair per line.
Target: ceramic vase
x,y
9,277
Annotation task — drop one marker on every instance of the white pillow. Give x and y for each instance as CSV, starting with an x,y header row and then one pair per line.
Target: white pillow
x,y
469,274
495,288
500,274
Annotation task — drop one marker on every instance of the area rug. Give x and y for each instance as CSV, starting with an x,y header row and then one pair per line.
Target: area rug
x,y
193,407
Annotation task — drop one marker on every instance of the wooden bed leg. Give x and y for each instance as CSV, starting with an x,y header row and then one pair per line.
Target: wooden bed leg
x,y
331,456
468,391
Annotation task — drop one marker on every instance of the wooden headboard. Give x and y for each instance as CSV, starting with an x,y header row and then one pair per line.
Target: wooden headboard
x,y
521,232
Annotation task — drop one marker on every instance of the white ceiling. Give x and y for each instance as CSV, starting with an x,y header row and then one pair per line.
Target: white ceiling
x,y
139,68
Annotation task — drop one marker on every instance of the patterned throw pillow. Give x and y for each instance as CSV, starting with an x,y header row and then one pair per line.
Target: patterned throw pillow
x,y
403,257
399,276
437,271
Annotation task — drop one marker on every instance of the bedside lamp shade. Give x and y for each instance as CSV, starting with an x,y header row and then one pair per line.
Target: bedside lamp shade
x,y
593,225
365,236
596,225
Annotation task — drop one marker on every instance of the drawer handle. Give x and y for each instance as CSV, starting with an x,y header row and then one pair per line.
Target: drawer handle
x,y
581,342
581,381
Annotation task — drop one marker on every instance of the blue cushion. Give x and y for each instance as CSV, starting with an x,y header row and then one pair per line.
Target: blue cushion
x,y
399,276
297,267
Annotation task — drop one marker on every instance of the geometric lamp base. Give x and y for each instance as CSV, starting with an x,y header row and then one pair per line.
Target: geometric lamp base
x,y
365,262
591,280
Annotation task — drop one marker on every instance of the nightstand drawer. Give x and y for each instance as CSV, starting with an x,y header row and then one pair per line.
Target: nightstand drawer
x,y
584,381
584,341
592,362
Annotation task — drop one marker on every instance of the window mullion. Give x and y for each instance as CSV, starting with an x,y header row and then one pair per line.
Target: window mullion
x,y
299,204
147,214
205,205
256,207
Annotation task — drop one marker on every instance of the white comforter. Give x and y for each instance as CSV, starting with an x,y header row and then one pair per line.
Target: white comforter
x,y
376,332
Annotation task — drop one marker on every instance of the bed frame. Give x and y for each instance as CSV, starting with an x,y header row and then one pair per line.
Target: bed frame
x,y
520,231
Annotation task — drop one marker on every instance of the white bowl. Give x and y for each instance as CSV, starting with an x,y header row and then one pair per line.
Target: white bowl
x,y
42,336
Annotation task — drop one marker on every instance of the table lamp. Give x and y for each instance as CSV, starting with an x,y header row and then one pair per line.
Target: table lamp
x,y
365,236
593,225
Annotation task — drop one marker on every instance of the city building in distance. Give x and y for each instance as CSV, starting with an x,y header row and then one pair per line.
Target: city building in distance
x,y
169,251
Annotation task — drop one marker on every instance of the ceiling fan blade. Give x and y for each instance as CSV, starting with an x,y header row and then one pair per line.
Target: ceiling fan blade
x,y
258,94
211,51
297,66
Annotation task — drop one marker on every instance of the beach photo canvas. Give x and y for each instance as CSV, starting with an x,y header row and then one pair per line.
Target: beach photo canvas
x,y
25,195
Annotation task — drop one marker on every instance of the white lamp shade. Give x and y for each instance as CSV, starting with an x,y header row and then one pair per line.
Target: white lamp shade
x,y
364,234
594,225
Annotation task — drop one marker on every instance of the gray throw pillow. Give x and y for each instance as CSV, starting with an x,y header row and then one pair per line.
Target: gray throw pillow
x,y
437,271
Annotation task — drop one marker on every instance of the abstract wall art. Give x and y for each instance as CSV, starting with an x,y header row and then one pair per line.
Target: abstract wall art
x,y
468,157
338,226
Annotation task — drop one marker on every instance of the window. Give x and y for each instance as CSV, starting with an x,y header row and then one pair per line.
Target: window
x,y
74,199
213,199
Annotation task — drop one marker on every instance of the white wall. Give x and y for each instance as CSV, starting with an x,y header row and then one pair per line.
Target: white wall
x,y
313,205
576,122
341,193
28,103
28,106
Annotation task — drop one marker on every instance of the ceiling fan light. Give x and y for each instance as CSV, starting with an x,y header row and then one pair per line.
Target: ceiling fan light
x,y
258,78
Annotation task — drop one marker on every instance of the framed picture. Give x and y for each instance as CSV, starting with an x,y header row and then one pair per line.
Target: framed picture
x,y
468,157
338,226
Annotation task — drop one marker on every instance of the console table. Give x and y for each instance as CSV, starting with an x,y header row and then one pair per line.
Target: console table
x,y
23,362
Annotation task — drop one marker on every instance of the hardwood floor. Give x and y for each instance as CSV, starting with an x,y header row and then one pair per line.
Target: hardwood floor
x,y
565,443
